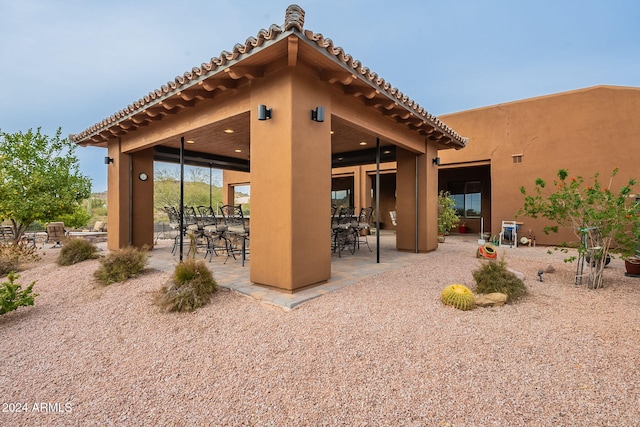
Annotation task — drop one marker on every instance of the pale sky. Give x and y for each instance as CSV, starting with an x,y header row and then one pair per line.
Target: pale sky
x,y
72,63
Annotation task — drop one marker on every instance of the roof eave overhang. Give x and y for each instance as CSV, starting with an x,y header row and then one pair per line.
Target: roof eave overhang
x,y
226,71
221,73
382,95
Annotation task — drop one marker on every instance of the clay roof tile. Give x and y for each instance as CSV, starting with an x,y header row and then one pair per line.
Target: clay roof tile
x,y
294,21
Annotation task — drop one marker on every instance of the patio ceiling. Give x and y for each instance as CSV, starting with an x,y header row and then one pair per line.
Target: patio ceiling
x,y
226,145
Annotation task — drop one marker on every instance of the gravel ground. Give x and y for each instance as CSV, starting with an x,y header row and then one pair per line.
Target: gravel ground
x,y
382,352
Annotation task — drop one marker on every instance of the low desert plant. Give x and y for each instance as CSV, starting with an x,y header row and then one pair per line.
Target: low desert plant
x,y
493,276
458,296
13,255
13,296
191,286
77,250
121,265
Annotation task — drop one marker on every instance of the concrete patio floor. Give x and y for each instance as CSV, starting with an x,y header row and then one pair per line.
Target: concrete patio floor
x,y
345,270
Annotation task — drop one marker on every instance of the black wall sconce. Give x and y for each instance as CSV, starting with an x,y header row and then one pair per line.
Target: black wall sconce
x,y
264,113
317,115
436,161
108,160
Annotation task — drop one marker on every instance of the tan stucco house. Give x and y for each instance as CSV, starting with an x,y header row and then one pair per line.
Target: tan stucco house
x,y
585,131
254,110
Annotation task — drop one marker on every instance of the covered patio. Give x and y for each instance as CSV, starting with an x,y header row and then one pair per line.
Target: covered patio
x,y
345,271
284,108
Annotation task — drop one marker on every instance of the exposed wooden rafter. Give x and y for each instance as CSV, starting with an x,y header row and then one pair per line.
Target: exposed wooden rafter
x,y
338,76
361,91
436,136
128,125
217,83
190,94
174,102
153,112
250,73
139,119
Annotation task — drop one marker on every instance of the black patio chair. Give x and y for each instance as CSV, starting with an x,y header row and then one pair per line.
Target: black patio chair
x,y
237,231
215,230
174,224
362,226
344,235
194,229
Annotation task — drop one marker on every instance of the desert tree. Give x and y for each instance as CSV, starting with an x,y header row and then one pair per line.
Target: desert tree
x,y
40,179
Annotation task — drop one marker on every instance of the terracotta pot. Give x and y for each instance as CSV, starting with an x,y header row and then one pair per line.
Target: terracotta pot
x,y
632,266
441,238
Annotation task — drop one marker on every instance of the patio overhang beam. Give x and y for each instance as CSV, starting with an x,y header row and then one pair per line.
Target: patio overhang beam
x,y
363,157
194,158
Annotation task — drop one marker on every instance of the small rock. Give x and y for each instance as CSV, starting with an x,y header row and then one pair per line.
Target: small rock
x,y
493,299
550,269
518,274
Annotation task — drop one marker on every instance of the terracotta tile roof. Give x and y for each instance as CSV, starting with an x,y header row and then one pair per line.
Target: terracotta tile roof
x,y
294,22
383,86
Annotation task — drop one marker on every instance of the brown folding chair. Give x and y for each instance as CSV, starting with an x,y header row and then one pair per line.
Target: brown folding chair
x,y
56,233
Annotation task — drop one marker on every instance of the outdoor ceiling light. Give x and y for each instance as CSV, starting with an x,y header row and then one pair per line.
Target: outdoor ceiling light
x,y
264,113
436,161
108,160
317,115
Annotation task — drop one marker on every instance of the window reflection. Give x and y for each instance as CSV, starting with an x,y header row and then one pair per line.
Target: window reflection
x,y
468,198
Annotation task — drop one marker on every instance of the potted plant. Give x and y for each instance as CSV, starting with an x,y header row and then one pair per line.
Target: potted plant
x,y
605,218
447,218
632,266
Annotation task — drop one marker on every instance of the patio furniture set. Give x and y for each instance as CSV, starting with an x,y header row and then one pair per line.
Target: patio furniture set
x,y
224,232
53,232
349,230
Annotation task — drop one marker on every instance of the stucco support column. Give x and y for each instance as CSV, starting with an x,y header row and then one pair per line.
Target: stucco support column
x,y
410,166
129,199
431,197
142,198
290,183
118,198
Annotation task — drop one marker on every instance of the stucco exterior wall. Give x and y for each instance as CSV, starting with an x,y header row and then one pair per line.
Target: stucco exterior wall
x,y
585,131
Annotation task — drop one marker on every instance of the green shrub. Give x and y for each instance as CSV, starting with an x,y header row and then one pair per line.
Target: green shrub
x,y
121,265
13,255
191,286
493,276
77,250
76,219
12,296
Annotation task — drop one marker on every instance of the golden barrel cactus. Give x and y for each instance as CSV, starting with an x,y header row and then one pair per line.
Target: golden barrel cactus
x,y
458,296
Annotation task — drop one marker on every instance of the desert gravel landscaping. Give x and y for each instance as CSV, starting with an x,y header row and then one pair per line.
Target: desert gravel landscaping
x,y
381,352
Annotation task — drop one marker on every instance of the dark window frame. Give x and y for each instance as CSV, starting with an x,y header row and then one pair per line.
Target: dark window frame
x,y
464,194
